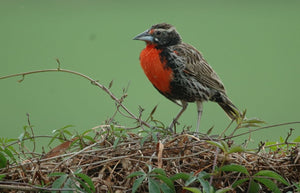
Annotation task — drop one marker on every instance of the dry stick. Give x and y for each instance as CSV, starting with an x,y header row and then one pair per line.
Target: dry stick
x,y
214,165
288,136
26,187
94,82
260,128
84,149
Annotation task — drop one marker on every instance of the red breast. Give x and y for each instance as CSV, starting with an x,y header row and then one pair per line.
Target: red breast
x,y
155,68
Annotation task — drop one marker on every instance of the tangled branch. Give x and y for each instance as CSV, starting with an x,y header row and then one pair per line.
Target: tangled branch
x,y
94,82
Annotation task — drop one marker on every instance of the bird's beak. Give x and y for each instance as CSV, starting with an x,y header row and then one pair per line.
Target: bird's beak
x,y
145,36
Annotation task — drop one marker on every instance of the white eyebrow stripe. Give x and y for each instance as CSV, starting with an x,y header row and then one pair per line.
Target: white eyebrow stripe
x,y
169,30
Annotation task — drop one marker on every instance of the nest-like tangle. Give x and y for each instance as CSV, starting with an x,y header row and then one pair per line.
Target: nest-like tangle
x,y
108,166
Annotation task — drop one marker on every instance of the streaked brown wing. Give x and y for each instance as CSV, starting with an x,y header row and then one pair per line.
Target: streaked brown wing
x,y
197,66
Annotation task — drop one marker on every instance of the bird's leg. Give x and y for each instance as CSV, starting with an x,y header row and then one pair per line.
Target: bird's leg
x,y
199,109
184,106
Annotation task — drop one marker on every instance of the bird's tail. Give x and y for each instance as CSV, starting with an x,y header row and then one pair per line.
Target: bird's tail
x,y
230,109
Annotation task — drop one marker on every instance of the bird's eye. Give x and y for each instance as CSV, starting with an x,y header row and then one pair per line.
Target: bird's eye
x,y
158,33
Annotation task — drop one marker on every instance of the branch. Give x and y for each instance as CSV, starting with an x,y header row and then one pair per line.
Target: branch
x,y
28,187
94,82
260,128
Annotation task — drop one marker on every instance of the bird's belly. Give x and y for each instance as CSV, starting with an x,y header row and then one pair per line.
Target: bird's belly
x,y
155,69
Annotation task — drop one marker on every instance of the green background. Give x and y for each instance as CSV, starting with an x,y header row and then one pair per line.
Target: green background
x,y
252,45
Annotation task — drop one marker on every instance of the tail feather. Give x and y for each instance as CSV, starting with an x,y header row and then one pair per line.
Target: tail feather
x,y
231,110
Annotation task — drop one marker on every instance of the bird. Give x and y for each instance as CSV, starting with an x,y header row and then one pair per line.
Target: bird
x,y
180,73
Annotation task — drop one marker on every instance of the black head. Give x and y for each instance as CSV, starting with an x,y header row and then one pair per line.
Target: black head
x,y
162,35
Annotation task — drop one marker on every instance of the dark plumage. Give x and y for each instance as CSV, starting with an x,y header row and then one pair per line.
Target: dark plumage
x,y
189,77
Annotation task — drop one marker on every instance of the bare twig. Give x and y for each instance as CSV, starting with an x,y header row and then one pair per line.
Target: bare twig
x,y
84,149
289,135
94,82
214,165
224,131
27,187
33,137
261,128
32,133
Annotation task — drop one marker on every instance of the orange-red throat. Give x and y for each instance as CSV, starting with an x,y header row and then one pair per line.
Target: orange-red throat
x,y
155,68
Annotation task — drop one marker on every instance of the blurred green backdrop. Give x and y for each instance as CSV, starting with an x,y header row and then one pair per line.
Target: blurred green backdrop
x,y
252,45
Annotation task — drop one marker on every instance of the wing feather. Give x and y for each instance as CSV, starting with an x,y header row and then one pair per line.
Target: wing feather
x,y
197,66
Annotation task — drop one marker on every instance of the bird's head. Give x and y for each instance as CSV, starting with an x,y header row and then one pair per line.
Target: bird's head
x,y
162,35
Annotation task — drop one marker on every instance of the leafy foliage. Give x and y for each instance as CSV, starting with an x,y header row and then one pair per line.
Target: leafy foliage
x,y
157,180
76,182
264,177
147,157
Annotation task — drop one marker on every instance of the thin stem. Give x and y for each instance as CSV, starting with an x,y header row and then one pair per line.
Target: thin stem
x,y
32,133
260,128
94,82
222,134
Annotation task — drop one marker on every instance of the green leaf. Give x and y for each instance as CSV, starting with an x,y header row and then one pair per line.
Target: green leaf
x,y
297,185
79,170
159,171
166,189
239,182
167,181
274,148
9,153
2,176
235,168
68,184
183,176
87,179
67,132
149,168
87,131
116,142
217,144
67,126
253,187
56,174
224,190
205,185
281,139
134,174
8,140
89,138
225,145
190,180
269,184
52,139
153,186
83,184
137,183
59,182
154,136
251,125
297,139
192,189
272,174
80,190
203,175
236,149
3,160
254,120
144,140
